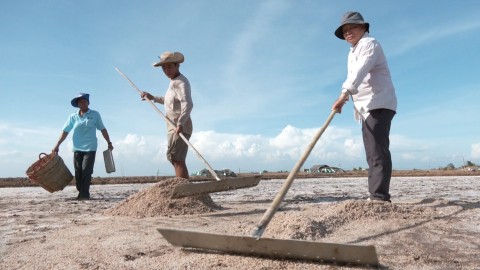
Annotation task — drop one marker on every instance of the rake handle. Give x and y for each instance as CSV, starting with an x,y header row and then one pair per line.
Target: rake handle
x,y
173,125
260,228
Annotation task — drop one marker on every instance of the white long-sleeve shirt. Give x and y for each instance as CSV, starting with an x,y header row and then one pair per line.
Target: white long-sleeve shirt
x,y
368,80
178,104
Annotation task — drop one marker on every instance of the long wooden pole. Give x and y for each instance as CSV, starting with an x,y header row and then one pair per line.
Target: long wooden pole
x,y
174,126
260,228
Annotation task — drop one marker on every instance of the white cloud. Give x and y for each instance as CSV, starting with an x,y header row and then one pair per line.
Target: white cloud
x,y
408,156
20,147
144,155
6,155
291,137
281,151
141,155
353,148
218,146
135,147
475,150
426,159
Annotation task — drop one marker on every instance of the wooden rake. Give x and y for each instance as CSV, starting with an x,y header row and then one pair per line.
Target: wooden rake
x,y
193,189
275,248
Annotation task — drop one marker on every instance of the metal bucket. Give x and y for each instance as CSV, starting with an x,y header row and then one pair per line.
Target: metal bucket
x,y
109,163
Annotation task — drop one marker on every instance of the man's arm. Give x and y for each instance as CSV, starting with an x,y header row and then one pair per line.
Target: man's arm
x,y
183,93
107,138
338,104
60,140
367,59
66,129
146,95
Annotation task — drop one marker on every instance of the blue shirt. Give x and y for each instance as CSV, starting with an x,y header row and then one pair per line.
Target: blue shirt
x,y
84,130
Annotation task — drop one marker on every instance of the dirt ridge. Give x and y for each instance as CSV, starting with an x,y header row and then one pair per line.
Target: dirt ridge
x,y
26,182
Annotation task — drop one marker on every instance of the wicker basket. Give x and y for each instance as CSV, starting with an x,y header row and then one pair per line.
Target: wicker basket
x,y
50,172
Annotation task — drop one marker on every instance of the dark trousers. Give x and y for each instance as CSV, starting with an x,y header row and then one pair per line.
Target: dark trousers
x,y
83,163
376,132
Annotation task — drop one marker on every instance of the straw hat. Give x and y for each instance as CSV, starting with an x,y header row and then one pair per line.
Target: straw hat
x,y
169,57
350,17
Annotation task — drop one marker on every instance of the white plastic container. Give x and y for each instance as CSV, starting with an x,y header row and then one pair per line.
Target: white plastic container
x,y
108,158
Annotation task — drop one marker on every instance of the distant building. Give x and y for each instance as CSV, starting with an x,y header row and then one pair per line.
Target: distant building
x,y
326,169
473,168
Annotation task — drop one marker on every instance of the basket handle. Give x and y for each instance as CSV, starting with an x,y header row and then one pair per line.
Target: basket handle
x,y
39,163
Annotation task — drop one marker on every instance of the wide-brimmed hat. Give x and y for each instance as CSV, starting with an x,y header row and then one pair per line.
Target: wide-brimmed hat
x,y
81,95
169,57
350,17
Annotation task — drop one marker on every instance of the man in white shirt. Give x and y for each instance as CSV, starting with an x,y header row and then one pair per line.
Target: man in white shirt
x,y
375,103
178,105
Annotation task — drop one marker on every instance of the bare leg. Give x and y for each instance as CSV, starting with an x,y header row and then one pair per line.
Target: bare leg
x,y
180,169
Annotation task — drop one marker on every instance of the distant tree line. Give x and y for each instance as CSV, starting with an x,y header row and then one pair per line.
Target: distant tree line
x,y
469,164
450,166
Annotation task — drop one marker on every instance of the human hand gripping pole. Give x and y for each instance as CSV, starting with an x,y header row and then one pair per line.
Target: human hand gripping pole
x,y
174,126
260,228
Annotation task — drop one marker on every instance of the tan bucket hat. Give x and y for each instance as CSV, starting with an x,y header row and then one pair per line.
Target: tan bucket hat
x,y
169,57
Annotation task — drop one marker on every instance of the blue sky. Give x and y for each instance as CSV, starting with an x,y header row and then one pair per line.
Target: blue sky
x,y
264,75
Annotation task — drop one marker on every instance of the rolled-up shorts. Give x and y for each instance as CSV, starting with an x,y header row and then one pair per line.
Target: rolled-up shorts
x,y
177,147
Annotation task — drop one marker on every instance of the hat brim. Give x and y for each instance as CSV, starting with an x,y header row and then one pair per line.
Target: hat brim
x,y
339,31
159,64
74,101
177,58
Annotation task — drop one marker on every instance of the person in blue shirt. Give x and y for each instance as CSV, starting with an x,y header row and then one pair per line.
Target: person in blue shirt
x,y
84,124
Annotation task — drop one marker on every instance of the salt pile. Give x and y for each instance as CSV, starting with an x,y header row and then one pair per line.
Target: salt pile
x,y
310,225
155,201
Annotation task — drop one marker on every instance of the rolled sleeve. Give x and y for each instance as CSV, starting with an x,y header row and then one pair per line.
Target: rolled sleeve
x,y
158,99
